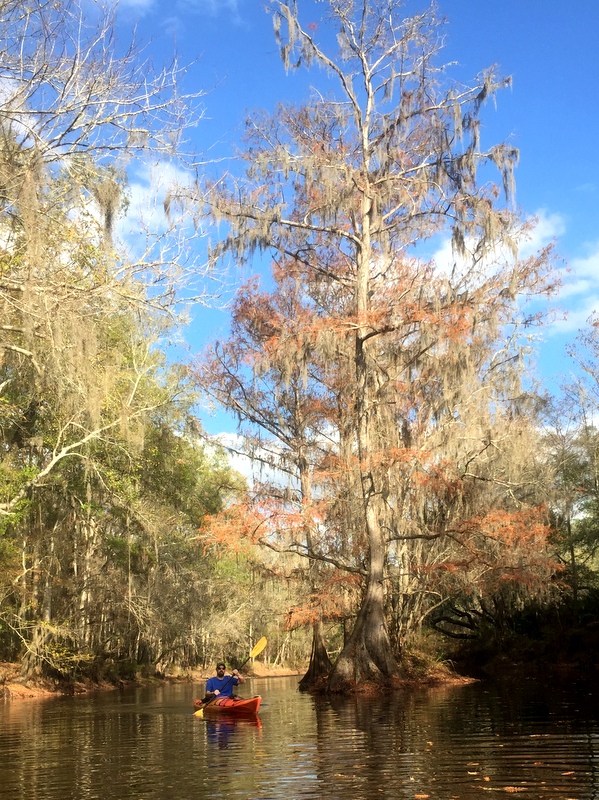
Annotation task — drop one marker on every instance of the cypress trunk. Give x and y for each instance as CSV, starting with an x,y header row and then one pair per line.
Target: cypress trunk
x,y
320,663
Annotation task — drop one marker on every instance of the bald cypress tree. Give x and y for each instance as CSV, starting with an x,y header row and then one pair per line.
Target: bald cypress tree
x,y
349,187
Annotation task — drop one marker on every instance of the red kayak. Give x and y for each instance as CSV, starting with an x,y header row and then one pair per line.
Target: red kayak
x,y
229,705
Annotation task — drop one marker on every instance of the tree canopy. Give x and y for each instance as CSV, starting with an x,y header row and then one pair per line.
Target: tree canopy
x,y
407,474
407,372
102,486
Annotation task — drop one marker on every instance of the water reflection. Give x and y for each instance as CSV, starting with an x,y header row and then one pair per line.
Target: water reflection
x,y
221,728
459,743
453,743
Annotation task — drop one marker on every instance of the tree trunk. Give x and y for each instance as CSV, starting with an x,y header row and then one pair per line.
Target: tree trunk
x,y
32,664
320,663
367,658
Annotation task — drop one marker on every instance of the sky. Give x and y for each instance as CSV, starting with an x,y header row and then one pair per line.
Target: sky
x,y
551,113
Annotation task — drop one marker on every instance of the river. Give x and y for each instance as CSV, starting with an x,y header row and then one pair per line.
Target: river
x,y
455,743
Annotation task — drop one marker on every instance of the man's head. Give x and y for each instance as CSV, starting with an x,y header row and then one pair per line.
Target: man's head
x,y
220,668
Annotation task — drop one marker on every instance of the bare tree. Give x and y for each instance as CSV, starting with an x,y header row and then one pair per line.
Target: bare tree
x,y
85,303
75,113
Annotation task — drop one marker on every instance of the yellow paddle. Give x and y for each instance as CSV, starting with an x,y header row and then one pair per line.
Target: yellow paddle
x,y
255,651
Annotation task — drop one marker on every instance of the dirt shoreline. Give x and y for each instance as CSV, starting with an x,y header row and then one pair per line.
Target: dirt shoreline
x,y
13,688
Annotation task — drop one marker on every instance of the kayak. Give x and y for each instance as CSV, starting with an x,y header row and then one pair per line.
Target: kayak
x,y
249,705
229,705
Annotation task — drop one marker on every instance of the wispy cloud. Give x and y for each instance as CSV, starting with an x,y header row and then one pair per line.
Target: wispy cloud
x,y
589,266
155,227
255,469
212,8
578,297
147,191
177,22
234,445
140,6
547,227
580,292
587,188
173,26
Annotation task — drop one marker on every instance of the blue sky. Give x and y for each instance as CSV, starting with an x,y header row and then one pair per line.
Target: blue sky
x,y
551,114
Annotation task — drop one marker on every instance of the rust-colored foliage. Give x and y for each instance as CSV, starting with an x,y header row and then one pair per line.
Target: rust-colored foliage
x,y
497,550
381,388
232,529
329,603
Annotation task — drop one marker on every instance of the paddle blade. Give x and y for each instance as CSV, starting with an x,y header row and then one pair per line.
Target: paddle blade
x,y
258,647
199,712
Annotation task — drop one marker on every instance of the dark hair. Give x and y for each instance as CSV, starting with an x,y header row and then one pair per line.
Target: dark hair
x,y
221,664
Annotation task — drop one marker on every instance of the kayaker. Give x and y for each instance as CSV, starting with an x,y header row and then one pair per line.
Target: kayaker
x,y
223,683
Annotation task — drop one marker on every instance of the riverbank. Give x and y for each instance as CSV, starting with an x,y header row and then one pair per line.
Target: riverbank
x,y
419,670
12,687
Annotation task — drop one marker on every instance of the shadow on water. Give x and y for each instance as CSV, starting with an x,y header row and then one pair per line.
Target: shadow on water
x,y
451,743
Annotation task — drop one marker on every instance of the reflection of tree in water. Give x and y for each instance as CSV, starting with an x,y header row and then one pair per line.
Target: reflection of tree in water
x,y
363,745
458,739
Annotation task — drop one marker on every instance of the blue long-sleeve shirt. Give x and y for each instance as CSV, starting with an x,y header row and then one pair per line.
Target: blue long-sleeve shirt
x,y
224,685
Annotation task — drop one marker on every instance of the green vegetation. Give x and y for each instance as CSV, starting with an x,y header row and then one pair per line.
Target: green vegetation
x,y
415,494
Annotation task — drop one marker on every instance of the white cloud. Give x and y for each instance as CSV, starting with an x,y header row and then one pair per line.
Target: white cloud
x,y
444,256
212,8
175,23
257,469
547,227
579,294
147,190
173,26
142,6
234,445
589,266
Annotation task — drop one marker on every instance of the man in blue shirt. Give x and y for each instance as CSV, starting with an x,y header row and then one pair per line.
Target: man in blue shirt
x,y
222,684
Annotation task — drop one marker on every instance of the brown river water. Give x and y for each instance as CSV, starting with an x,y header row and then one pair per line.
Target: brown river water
x,y
473,742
